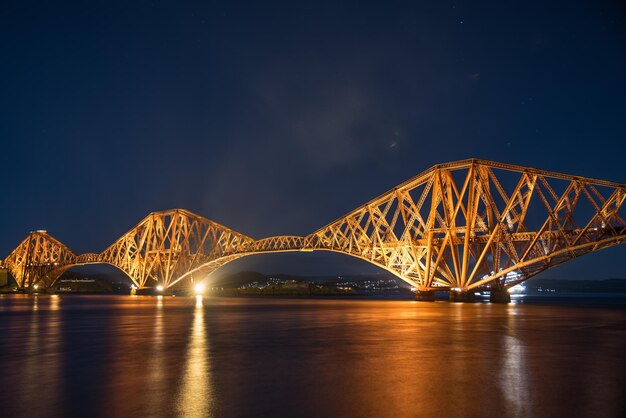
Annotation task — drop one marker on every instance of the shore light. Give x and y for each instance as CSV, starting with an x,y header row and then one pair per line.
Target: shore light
x,y
199,288
159,288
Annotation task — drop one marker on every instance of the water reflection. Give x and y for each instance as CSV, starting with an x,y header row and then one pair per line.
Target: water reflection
x,y
196,397
54,302
53,359
513,379
157,362
40,370
513,376
29,380
147,356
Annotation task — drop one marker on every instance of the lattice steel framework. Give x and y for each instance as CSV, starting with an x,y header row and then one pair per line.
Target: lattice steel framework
x,y
166,245
463,225
478,223
39,260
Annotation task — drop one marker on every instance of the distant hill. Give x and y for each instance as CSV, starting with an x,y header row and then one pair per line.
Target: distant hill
x,y
376,281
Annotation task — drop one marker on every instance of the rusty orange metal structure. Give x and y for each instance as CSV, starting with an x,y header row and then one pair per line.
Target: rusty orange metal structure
x,y
462,226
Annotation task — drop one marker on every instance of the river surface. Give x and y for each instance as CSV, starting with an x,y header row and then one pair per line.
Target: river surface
x,y
122,356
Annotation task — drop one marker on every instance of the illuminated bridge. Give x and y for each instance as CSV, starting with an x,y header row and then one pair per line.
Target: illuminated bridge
x,y
463,226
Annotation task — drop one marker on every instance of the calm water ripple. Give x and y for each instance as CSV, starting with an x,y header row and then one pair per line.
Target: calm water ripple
x,y
119,356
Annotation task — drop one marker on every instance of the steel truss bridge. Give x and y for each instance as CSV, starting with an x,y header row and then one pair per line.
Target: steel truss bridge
x,y
463,226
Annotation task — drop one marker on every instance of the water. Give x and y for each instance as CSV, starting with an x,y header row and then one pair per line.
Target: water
x,y
121,356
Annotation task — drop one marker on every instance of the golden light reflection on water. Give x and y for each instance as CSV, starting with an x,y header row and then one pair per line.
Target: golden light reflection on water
x,y
54,302
157,374
33,343
196,395
42,366
52,371
163,357
513,378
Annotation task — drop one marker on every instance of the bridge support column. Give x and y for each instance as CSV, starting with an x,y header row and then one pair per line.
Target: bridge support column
x,y
425,295
499,296
462,296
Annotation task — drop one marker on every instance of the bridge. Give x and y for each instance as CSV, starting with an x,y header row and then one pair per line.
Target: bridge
x,y
462,226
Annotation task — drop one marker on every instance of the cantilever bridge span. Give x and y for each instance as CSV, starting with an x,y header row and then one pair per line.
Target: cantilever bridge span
x,y
460,226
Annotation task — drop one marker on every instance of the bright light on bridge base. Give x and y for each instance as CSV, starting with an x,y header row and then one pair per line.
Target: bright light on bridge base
x,y
199,288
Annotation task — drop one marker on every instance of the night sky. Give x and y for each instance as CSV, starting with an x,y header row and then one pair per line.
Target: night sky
x,y
278,117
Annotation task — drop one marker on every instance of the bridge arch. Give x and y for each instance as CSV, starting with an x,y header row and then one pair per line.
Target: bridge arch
x,y
58,274
510,276
199,273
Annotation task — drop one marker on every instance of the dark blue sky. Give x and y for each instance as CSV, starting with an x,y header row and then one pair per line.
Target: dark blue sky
x,y
276,118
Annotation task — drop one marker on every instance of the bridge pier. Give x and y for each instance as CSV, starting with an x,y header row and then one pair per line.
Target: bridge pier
x,y
499,296
462,296
425,295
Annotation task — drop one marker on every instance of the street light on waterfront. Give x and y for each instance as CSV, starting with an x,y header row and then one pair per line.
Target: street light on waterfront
x,y
199,288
